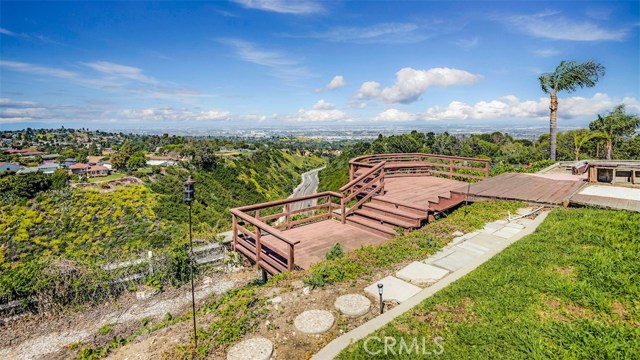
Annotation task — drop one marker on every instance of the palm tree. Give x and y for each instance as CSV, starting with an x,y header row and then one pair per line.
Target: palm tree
x,y
614,126
568,76
581,137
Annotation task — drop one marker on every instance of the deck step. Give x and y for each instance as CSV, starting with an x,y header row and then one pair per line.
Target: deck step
x,y
388,201
391,209
386,218
371,226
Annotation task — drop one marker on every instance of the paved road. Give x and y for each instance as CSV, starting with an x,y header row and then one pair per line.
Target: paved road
x,y
308,186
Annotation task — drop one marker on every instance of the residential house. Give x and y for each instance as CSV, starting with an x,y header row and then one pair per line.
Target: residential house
x,y
68,162
48,168
9,167
78,169
98,170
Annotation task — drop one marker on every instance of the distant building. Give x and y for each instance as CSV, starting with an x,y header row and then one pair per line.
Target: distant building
x,y
160,162
9,167
48,168
27,170
78,169
88,170
98,170
68,162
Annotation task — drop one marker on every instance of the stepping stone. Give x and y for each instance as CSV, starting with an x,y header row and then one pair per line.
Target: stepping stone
x,y
455,261
353,305
314,321
490,228
524,222
394,289
421,274
252,349
506,233
515,226
439,255
475,248
486,241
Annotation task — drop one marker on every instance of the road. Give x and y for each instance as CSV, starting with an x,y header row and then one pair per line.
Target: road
x,y
308,186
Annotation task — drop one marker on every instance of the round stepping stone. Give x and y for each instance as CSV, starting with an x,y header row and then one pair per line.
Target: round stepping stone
x,y
314,321
252,349
353,304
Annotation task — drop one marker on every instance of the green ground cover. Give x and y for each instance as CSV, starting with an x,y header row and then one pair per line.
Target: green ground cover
x,y
569,291
108,177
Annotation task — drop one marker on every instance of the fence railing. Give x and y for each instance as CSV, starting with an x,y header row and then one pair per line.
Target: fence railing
x,y
205,254
363,187
419,164
257,229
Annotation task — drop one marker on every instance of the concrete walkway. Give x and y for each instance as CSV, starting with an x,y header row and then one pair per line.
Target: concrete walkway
x,y
458,258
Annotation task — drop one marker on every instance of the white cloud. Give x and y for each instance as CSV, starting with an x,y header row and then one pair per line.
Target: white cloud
x,y
282,66
37,69
121,71
300,7
468,44
510,107
390,115
323,105
546,52
411,83
170,114
390,33
368,90
552,25
4,31
336,82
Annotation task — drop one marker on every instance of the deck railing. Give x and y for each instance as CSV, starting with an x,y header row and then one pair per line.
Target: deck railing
x,y
252,223
365,186
419,164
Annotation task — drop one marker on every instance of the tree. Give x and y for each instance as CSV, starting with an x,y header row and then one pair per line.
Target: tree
x,y
93,149
568,76
615,126
580,138
136,161
119,159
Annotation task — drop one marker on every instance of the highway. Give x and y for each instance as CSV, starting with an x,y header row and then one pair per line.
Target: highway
x,y
308,186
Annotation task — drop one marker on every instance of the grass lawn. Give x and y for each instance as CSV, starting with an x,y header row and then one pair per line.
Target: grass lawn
x,y
571,290
108,177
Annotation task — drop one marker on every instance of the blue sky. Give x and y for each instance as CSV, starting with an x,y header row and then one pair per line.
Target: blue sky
x,y
256,63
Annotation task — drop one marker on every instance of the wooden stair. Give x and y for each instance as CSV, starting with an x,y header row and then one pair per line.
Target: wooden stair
x,y
384,215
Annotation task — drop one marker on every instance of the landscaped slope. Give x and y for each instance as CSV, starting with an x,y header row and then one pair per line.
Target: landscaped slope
x,y
570,290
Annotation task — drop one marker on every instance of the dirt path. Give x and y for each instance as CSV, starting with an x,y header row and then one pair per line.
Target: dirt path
x,y
51,336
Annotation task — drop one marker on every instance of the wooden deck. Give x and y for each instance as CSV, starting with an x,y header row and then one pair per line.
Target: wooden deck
x,y
419,191
317,238
524,187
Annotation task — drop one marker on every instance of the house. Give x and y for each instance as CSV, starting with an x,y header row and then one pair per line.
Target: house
x,y
48,168
27,170
68,162
160,162
9,167
98,170
78,169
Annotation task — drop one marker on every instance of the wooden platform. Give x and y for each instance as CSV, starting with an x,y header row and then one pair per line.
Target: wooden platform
x,y
524,187
316,239
419,191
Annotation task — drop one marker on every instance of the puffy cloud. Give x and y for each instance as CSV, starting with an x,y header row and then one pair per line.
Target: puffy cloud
x,y
170,114
283,6
390,115
510,107
552,25
336,82
323,105
411,83
368,90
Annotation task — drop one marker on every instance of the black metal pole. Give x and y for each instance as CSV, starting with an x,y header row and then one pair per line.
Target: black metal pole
x,y
193,296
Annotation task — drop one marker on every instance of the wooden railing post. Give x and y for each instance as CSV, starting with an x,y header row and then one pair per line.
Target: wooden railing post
x,y
292,261
451,169
486,169
258,245
287,209
329,205
235,231
342,211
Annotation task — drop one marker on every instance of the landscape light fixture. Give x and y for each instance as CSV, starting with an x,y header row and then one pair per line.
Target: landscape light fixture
x,y
189,195
381,303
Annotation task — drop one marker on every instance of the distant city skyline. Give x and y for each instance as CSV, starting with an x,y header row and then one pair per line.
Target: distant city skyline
x,y
291,64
